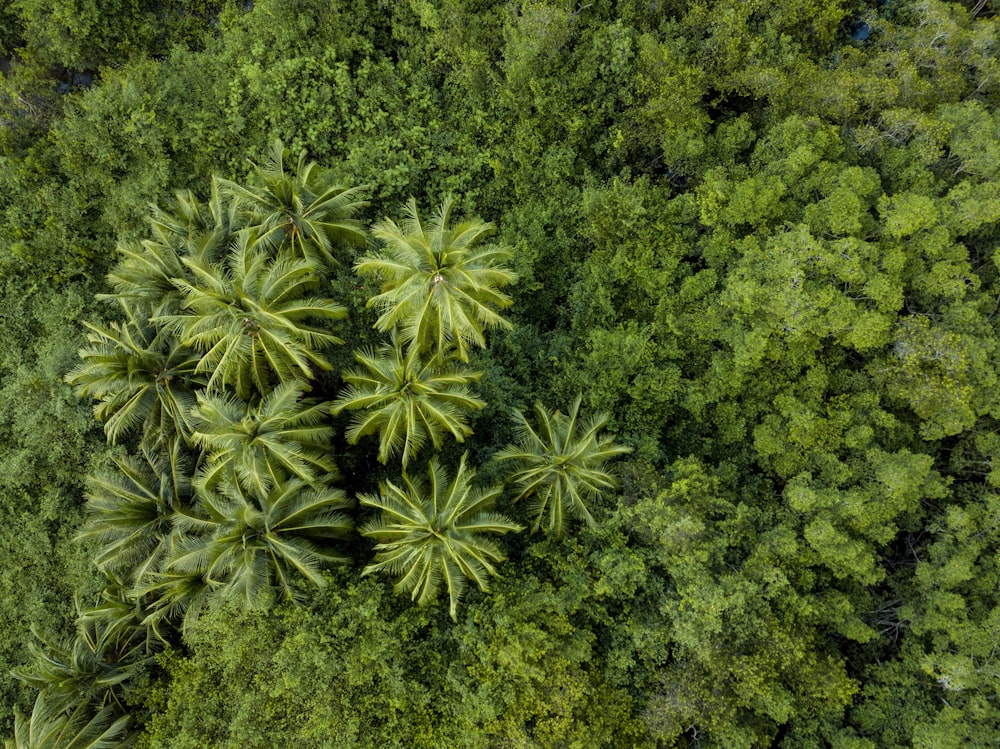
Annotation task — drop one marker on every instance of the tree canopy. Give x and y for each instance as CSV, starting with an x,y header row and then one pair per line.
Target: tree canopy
x,y
296,290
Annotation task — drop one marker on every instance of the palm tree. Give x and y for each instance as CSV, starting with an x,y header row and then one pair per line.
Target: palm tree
x,y
131,511
562,465
124,616
145,276
406,400
433,532
246,544
141,378
261,444
255,318
306,208
440,286
90,669
82,728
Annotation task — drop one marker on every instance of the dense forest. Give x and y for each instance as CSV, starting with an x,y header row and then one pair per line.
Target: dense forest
x,y
455,373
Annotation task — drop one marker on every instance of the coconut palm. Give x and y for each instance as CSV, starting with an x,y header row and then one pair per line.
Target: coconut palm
x,y
304,208
561,466
261,444
92,668
146,274
144,277
141,377
84,727
256,319
432,532
246,544
406,400
440,284
131,510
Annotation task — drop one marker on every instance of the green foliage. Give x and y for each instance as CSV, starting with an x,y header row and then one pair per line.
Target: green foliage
x,y
429,533
561,465
406,400
760,237
441,289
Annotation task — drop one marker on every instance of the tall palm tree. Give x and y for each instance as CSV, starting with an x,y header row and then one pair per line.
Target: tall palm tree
x,y
433,533
261,444
305,208
255,318
84,727
406,400
141,377
440,284
144,277
131,510
562,465
247,544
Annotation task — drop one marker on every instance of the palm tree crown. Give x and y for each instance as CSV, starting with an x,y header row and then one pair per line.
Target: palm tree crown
x,y
406,400
429,532
282,435
304,209
140,377
562,465
245,543
131,511
255,318
93,668
81,728
440,286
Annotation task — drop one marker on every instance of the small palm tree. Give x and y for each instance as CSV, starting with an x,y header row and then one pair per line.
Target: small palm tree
x,y
440,285
255,319
83,727
141,378
562,466
429,533
131,511
406,400
247,544
261,444
304,208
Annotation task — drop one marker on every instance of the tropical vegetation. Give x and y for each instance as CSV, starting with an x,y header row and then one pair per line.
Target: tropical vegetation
x,y
313,310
